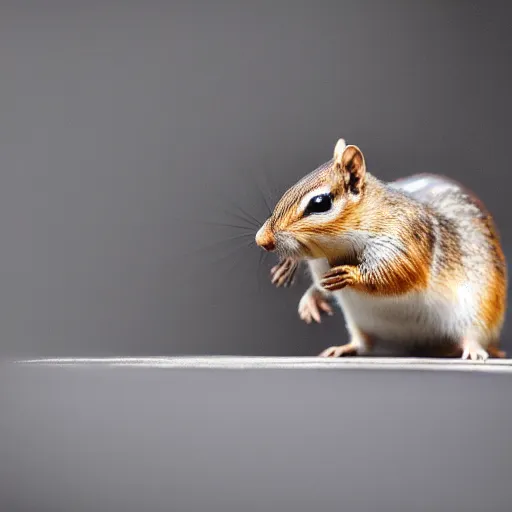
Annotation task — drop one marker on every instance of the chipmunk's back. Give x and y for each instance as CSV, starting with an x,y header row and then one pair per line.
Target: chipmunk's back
x,y
431,189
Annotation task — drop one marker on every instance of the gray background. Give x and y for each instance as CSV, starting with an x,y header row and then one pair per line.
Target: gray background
x,y
124,128
125,125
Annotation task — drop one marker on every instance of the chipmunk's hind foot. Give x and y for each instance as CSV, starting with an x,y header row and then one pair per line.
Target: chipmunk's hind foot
x,y
349,349
471,349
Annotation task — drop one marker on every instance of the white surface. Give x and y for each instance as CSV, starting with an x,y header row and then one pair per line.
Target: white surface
x,y
286,363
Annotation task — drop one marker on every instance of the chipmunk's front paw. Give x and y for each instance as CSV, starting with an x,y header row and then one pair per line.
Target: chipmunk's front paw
x,y
311,305
284,272
339,277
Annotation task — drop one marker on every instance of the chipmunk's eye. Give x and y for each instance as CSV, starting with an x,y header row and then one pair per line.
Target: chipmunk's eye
x,y
319,204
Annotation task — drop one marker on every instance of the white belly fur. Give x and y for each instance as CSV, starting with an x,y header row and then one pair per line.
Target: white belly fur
x,y
418,318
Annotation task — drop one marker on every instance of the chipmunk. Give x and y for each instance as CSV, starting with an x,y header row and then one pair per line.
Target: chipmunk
x,y
415,263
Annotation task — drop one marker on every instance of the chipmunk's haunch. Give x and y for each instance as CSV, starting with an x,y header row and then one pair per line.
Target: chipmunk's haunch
x,y
414,263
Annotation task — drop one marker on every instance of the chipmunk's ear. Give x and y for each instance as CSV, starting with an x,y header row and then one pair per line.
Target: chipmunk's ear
x,y
350,161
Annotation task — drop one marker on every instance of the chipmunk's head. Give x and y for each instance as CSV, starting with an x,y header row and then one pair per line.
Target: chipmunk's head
x,y
309,216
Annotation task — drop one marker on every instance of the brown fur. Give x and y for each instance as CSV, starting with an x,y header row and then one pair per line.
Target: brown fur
x,y
493,300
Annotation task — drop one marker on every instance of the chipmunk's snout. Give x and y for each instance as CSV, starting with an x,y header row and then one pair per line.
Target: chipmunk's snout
x,y
265,238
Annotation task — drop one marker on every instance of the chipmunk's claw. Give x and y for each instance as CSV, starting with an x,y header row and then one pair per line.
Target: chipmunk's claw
x,y
284,272
338,278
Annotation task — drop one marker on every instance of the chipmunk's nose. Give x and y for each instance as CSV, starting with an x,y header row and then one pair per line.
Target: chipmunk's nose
x,y
268,246
265,238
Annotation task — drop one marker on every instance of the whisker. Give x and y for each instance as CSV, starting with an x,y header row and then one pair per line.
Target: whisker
x,y
245,215
271,188
231,252
243,219
224,224
245,225
258,269
231,269
224,241
269,193
253,176
212,262
264,197
257,221
261,258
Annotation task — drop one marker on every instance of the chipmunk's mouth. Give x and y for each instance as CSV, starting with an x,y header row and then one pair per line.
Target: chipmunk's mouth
x,y
287,246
